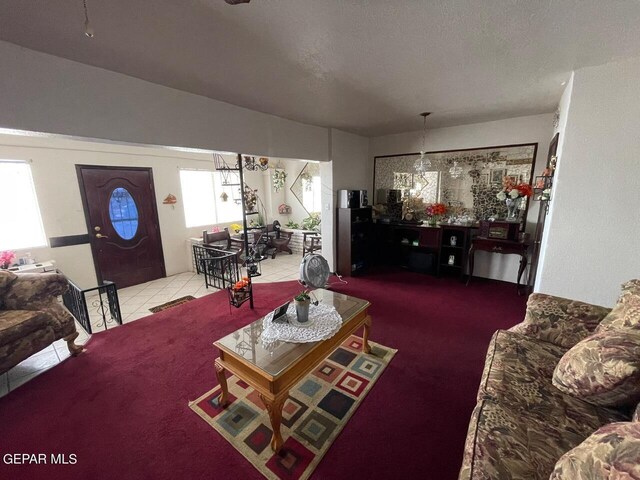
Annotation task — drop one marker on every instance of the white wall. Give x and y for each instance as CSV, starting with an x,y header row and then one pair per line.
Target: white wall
x,y
529,129
563,110
43,93
594,227
351,171
53,165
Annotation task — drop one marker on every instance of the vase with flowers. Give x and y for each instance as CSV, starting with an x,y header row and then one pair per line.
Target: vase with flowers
x,y
513,194
435,212
7,258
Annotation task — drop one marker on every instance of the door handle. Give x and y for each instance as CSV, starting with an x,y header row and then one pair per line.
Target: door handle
x,y
99,235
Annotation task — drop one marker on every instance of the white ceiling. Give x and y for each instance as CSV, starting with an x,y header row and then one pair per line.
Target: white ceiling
x,y
369,67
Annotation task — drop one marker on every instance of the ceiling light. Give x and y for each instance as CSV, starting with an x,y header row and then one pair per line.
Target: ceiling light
x,y
563,83
423,163
88,30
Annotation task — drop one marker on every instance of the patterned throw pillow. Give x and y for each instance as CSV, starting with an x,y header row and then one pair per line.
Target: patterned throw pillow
x,y
612,452
603,369
626,313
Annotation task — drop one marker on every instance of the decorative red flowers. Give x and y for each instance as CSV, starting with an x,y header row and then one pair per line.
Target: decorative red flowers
x,y
524,189
239,285
436,209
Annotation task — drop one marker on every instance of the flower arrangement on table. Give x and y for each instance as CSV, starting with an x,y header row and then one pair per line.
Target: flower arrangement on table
x,y
6,258
234,227
435,212
512,194
412,208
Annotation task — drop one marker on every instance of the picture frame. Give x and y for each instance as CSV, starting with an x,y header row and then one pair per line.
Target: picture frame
x,y
497,174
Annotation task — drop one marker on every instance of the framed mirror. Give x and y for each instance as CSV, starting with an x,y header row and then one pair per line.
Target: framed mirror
x,y
306,188
467,180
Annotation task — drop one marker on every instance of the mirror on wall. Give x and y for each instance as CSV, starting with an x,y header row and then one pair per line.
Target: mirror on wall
x,y
306,188
467,181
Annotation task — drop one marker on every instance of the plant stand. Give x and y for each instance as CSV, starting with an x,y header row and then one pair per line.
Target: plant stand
x,y
238,297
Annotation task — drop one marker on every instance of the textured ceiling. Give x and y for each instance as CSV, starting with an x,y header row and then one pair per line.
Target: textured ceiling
x,y
368,67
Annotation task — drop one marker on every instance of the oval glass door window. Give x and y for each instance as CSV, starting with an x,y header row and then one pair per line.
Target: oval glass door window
x,y
123,213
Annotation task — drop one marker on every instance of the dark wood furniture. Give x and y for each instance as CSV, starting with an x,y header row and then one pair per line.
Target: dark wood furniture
x,y
311,241
222,240
277,240
272,373
353,240
423,248
454,249
504,247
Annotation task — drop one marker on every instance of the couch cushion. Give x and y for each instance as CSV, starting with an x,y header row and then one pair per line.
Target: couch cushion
x,y
6,279
626,313
16,324
611,452
603,369
518,373
507,444
560,321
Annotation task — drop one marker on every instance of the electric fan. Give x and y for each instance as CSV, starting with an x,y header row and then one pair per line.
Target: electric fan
x,y
314,271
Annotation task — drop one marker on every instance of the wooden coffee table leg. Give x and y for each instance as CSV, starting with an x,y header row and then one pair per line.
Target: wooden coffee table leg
x,y
222,380
274,407
365,335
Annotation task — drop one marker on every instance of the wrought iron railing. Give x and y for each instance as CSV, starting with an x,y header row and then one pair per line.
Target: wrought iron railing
x,y
220,267
94,307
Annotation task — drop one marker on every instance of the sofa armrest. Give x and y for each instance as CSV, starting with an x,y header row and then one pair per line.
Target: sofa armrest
x,y
33,291
560,321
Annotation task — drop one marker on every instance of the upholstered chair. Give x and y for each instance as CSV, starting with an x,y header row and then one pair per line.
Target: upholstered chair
x,y
31,318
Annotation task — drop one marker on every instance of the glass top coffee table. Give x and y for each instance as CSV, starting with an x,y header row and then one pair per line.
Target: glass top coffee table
x,y
274,370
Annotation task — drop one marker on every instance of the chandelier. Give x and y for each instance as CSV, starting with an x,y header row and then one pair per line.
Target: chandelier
x,y
423,163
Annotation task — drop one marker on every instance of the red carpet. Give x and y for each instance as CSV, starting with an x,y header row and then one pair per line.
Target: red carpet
x,y
121,408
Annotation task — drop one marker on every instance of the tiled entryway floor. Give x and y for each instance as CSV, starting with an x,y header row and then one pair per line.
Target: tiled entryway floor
x,y
135,303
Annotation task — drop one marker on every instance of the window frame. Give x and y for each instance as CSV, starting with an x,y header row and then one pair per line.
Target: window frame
x,y
215,177
42,242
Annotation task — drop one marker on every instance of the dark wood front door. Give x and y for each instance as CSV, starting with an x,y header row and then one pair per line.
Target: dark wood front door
x,y
122,218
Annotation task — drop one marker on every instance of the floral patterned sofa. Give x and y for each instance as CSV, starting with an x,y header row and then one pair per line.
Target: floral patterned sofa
x,y
557,394
31,317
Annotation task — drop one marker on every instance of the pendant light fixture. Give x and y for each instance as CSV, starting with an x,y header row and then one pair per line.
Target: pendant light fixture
x,y
88,29
423,163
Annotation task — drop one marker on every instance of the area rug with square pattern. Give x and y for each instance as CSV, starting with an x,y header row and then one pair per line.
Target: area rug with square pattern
x,y
317,410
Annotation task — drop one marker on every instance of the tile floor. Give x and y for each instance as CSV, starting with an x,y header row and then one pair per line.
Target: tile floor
x,y
134,304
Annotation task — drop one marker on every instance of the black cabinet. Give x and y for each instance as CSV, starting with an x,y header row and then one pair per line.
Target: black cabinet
x,y
454,249
354,228
441,250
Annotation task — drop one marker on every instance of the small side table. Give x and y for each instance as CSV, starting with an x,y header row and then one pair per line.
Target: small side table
x,y
504,247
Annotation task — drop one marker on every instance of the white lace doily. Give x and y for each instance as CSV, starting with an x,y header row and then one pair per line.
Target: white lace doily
x,y
324,322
